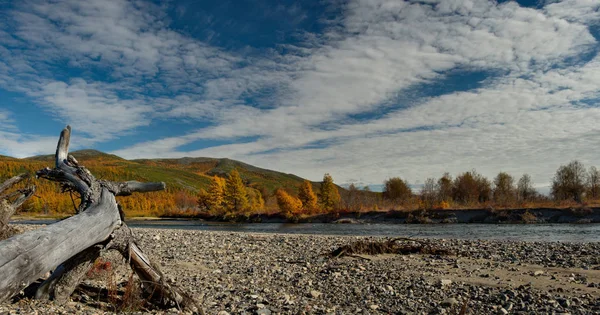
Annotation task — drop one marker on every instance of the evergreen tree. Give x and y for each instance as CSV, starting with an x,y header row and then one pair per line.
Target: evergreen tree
x,y
235,197
330,196
307,197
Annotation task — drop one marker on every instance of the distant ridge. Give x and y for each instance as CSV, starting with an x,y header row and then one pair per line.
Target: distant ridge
x,y
189,173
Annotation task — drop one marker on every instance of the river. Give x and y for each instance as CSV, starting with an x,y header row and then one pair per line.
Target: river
x,y
514,232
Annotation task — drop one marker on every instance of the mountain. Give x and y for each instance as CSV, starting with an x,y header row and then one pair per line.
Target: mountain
x,y
184,178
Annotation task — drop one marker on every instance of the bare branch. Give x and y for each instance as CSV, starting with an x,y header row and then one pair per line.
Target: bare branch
x,y
62,149
129,187
13,181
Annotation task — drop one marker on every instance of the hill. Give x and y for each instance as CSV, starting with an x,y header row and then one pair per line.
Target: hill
x,y
184,178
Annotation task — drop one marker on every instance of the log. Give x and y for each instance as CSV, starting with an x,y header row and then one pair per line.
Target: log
x,y
69,247
7,207
26,257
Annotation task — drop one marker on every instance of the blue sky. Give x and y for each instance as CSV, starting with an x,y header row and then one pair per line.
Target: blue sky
x,y
362,89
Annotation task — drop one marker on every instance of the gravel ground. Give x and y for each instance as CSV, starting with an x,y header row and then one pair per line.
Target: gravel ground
x,y
241,273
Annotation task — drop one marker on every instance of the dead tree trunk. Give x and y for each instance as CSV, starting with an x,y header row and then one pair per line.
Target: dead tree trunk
x,y
8,207
70,246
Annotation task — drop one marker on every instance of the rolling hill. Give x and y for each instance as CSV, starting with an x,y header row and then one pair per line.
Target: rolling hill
x,y
184,178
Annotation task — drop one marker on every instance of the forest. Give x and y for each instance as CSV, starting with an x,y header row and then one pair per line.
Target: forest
x,y
228,189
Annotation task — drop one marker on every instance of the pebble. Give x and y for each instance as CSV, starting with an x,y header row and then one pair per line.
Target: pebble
x,y
236,273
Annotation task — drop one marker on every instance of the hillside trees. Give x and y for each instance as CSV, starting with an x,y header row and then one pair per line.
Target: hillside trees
x,y
307,197
235,197
230,197
330,196
289,205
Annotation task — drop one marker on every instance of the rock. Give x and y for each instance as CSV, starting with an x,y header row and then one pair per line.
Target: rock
x,y
374,306
222,313
538,273
263,311
315,294
449,302
502,311
444,283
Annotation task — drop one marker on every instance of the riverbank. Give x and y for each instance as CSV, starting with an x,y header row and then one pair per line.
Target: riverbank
x,y
437,216
491,216
291,274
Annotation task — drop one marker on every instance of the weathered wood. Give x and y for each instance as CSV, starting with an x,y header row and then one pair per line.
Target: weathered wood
x,y
129,187
153,280
26,257
8,208
69,247
63,280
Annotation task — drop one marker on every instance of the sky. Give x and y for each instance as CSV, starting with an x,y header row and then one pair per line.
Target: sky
x,y
362,89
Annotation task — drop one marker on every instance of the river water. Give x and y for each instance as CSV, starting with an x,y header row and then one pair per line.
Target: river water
x,y
521,232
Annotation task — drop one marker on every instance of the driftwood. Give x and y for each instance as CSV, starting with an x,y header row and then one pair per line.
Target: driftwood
x,y
69,247
11,201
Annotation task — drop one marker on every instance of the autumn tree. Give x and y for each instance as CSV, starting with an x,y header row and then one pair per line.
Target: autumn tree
x,y
212,200
307,197
593,183
569,182
525,190
352,200
255,199
444,188
504,189
397,190
330,196
235,197
470,187
428,193
289,205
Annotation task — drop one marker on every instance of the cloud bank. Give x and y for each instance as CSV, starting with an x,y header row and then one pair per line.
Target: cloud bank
x,y
386,88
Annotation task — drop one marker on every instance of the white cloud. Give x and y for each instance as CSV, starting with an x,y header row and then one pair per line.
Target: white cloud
x,y
375,52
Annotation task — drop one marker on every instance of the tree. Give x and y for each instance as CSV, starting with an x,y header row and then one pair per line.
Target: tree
x,y
471,187
289,205
255,199
212,200
330,196
353,198
569,182
504,189
307,197
235,196
396,189
525,190
428,193
444,188
593,183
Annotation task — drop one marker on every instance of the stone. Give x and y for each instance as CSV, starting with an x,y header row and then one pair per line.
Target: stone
x,y
315,294
444,283
538,273
449,302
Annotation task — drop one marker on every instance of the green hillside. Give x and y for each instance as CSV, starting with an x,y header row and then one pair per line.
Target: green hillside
x,y
187,173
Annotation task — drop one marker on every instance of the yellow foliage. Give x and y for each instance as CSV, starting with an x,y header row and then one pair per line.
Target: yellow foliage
x,y
290,206
307,197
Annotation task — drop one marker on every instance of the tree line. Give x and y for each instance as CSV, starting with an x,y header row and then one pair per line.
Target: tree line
x,y
571,183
